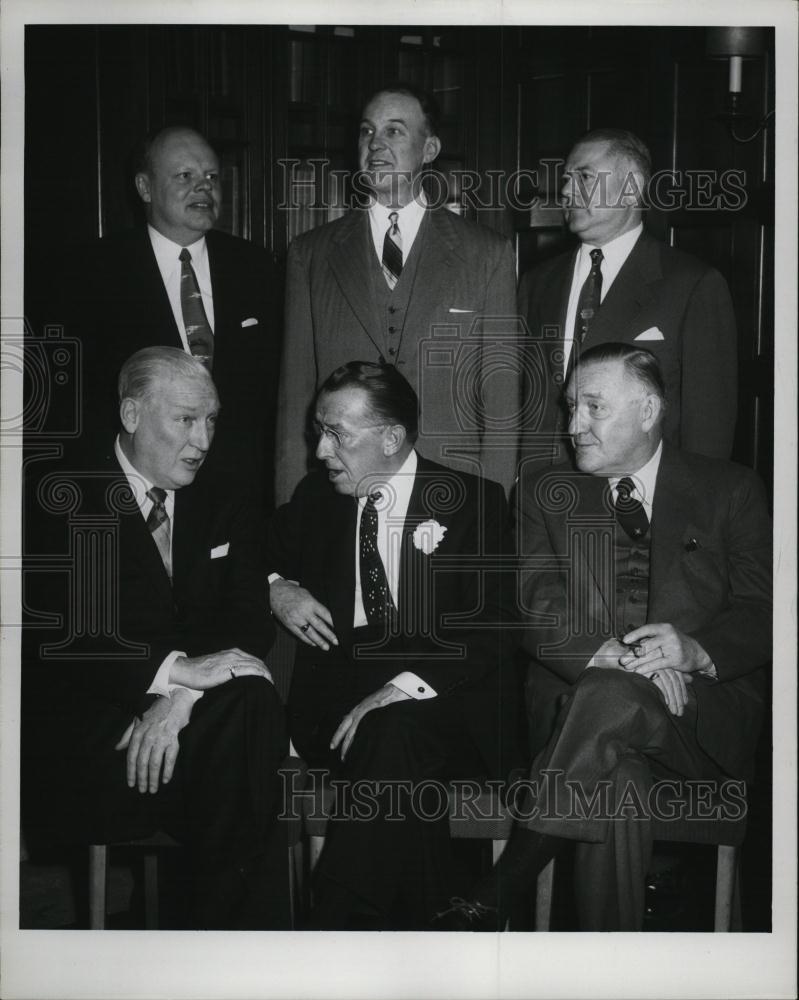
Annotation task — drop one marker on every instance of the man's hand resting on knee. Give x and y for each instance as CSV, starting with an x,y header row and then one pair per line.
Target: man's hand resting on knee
x,y
154,741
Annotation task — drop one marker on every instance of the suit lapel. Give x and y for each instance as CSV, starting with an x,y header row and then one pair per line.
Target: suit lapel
x,y
337,551
440,258
628,295
350,263
672,513
151,294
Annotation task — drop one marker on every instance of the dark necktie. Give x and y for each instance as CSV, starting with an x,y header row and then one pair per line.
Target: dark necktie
x,y
160,529
375,592
392,252
198,330
630,512
587,307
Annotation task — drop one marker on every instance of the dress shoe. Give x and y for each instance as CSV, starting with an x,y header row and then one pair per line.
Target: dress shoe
x,y
466,915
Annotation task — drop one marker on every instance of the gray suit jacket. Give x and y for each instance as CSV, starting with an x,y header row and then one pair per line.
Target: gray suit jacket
x,y
710,577
465,287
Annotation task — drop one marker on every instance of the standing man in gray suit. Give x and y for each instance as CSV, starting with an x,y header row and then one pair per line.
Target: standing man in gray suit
x,y
408,284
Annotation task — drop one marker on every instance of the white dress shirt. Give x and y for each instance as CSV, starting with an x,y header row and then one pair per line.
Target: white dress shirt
x,y
410,218
392,509
167,256
614,254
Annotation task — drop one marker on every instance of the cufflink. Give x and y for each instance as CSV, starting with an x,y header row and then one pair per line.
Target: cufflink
x,y
420,690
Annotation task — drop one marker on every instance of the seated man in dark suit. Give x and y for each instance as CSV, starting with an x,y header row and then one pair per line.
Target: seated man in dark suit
x,y
380,571
647,596
151,706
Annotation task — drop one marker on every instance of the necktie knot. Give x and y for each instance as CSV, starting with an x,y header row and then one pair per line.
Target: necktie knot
x,y
596,259
157,494
393,218
184,257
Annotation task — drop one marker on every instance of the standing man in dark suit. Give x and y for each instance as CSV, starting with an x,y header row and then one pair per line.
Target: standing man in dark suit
x,y
382,569
406,284
157,711
647,597
134,290
622,285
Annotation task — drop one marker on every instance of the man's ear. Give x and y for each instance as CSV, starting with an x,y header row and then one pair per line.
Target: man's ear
x,y
432,147
129,410
393,439
143,187
651,409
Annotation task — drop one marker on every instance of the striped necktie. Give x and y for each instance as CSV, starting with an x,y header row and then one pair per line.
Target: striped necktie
x,y
198,330
392,252
160,528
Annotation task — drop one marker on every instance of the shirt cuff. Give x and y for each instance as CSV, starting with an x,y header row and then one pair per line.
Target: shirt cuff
x,y
413,685
161,685
710,671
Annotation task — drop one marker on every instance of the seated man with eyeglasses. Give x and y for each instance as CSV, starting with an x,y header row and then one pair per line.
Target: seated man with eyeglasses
x,y
385,569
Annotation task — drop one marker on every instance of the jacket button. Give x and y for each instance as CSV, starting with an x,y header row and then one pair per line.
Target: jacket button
x,y
391,351
392,329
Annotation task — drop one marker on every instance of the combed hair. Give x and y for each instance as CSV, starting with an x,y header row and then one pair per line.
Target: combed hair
x,y
427,102
624,145
390,395
640,364
140,371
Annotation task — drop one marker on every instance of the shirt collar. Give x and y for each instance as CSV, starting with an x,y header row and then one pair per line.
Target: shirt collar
x,y
617,251
644,479
167,252
410,215
138,484
396,491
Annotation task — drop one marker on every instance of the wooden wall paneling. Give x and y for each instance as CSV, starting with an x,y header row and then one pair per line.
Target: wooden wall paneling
x,y
123,86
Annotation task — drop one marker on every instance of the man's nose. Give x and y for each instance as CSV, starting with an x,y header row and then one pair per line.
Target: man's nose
x,y
201,436
324,449
204,183
376,141
575,422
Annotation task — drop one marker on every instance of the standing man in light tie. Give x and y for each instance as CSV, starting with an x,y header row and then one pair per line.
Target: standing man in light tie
x,y
404,283
162,714
179,282
623,285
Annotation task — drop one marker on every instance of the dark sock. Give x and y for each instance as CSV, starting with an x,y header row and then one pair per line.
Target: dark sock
x,y
514,875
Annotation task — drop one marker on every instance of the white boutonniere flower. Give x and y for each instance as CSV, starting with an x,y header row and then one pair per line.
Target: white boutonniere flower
x,y
428,535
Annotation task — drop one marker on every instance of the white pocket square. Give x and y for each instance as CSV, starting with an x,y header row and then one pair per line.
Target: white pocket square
x,y
220,551
653,333
252,321
461,310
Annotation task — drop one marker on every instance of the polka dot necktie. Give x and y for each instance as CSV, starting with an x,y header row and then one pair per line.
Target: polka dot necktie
x,y
160,528
198,330
630,513
375,592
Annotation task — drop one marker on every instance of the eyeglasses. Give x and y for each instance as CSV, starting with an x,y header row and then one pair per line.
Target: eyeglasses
x,y
341,439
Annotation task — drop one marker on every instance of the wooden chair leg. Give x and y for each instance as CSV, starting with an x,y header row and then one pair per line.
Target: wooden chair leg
x,y
497,847
98,873
726,865
543,897
150,890
315,845
737,915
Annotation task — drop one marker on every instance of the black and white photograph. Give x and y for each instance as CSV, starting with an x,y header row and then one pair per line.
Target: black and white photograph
x,y
398,500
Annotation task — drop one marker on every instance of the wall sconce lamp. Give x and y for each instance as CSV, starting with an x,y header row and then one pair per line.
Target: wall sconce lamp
x,y
737,44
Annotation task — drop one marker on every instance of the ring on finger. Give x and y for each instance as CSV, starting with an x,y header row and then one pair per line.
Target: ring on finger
x,y
305,627
232,673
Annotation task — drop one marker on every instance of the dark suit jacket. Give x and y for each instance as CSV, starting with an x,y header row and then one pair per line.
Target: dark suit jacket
x,y
85,678
454,617
465,274
657,287
710,576
114,300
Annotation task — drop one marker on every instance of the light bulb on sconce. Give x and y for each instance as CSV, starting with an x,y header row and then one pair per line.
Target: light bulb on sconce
x,y
736,44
